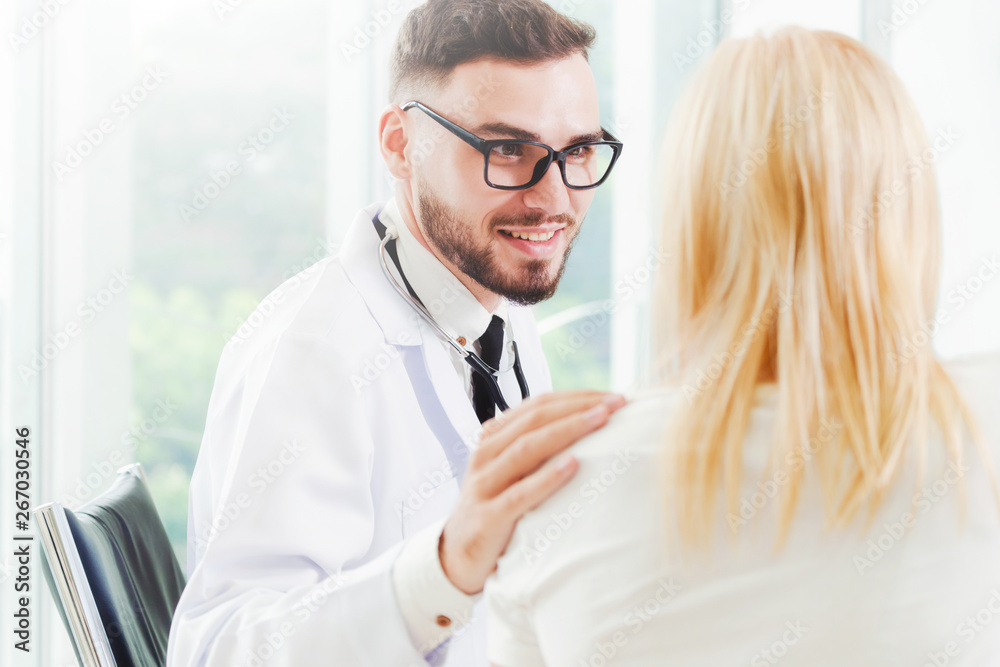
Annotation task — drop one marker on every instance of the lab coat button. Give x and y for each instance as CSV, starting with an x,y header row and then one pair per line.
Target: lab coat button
x,y
443,621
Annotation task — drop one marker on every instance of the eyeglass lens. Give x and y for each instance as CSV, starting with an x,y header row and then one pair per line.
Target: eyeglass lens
x,y
514,164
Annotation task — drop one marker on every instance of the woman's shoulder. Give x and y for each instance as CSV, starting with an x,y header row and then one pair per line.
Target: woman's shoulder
x,y
641,423
638,424
977,378
983,367
608,502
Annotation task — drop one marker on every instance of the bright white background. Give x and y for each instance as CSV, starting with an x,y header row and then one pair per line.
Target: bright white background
x,y
127,362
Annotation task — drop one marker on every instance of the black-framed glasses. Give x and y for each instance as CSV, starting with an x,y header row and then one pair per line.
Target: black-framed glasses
x,y
515,164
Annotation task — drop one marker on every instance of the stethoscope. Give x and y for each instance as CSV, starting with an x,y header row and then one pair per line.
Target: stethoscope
x,y
479,367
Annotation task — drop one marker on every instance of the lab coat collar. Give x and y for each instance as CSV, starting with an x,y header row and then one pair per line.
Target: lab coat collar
x,y
402,326
359,256
451,303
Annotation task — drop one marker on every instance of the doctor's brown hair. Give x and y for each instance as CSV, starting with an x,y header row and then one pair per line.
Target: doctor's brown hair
x,y
443,34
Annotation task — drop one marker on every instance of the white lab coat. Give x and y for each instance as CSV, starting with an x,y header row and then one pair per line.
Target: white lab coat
x,y
337,428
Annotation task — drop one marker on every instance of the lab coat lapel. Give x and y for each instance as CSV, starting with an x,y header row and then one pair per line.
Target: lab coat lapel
x,y
359,255
449,388
402,326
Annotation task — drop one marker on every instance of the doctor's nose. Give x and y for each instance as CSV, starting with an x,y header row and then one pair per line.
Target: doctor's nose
x,y
549,194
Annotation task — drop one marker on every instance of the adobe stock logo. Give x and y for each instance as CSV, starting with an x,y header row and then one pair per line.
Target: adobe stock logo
x,y
121,108
87,310
254,144
35,23
894,532
364,35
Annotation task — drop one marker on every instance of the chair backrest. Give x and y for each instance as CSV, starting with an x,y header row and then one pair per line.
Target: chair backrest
x,y
113,574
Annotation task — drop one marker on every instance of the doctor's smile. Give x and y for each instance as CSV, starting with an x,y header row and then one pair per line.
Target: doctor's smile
x,y
536,242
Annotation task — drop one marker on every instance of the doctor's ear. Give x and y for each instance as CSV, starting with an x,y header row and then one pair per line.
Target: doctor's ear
x,y
393,137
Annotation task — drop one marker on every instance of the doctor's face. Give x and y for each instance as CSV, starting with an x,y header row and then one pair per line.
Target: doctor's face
x,y
512,243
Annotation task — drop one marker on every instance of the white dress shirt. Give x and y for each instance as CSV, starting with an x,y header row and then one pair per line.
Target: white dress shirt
x,y
594,576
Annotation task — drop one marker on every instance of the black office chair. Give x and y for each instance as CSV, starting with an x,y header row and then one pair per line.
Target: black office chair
x,y
113,574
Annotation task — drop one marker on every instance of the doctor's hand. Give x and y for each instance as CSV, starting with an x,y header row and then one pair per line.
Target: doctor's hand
x,y
511,473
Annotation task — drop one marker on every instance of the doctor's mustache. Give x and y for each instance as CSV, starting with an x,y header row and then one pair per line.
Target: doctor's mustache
x,y
533,220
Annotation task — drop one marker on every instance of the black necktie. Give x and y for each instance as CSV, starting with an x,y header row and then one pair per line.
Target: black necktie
x,y
491,346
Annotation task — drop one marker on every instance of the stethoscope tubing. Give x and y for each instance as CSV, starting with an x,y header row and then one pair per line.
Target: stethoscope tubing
x,y
477,365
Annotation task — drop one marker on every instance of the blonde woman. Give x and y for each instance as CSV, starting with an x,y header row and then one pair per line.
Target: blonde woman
x,y
809,485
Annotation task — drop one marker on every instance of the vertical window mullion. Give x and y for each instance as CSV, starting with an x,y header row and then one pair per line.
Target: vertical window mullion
x,y
632,219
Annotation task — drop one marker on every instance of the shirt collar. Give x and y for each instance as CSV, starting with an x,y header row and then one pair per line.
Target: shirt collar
x,y
450,302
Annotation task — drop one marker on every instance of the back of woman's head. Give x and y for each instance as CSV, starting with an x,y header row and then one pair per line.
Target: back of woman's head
x,y
801,216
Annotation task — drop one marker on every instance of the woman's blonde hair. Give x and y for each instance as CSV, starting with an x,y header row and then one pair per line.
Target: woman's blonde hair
x,y
801,219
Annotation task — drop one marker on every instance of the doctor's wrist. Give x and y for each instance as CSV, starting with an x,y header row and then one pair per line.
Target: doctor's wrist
x,y
452,571
431,605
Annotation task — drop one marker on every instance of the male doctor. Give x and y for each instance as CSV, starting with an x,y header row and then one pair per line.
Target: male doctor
x,y
348,504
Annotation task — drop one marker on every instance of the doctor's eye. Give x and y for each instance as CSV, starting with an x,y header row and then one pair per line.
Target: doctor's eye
x,y
508,150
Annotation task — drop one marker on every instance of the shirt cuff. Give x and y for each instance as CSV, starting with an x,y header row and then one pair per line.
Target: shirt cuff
x,y
431,606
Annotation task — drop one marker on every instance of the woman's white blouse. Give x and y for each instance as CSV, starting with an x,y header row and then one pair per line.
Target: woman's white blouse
x,y
594,577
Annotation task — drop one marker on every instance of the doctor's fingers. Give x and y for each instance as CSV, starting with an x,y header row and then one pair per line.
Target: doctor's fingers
x,y
498,433
529,451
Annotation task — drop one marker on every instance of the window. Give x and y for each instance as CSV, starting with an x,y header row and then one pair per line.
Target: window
x,y
948,55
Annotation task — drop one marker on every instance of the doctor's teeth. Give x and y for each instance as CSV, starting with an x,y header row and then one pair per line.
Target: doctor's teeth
x,y
532,236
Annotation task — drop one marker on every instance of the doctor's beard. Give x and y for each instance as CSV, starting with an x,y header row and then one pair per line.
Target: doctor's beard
x,y
454,239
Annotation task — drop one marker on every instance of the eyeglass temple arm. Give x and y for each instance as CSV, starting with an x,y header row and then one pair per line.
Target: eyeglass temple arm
x,y
464,135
